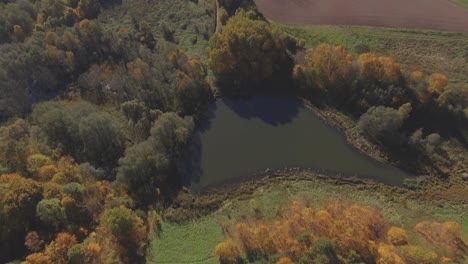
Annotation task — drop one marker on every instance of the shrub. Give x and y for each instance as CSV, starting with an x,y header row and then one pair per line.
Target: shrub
x,y
418,255
381,124
227,252
397,236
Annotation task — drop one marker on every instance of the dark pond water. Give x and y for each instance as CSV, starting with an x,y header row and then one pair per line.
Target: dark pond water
x,y
244,137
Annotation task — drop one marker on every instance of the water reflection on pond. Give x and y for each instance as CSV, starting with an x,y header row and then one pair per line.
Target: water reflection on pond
x,y
244,137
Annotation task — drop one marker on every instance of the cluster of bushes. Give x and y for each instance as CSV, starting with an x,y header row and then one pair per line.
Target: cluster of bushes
x,y
339,233
396,109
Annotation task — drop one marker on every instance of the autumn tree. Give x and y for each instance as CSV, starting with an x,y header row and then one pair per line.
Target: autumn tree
x,y
437,83
333,66
38,258
247,53
391,70
36,161
18,200
305,236
227,252
33,242
57,250
370,67
397,236
388,254
128,228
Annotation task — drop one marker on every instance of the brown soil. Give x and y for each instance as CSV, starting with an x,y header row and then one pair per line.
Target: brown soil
x,y
422,14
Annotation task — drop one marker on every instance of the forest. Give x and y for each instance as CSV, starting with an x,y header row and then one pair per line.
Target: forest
x,y
97,113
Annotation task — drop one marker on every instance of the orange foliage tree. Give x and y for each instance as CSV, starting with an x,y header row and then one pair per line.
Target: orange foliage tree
x,y
397,236
350,226
333,64
437,83
370,67
227,251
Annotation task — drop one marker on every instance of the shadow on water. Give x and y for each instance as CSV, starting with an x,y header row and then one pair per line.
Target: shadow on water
x,y
272,109
190,165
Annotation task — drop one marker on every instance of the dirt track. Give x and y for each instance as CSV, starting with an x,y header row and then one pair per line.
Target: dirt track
x,y
424,14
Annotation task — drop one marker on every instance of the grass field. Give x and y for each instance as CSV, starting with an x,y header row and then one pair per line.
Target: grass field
x,y
429,51
463,3
194,242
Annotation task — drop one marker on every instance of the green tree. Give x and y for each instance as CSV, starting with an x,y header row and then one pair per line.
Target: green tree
x,y
51,213
60,128
381,124
101,137
124,224
147,165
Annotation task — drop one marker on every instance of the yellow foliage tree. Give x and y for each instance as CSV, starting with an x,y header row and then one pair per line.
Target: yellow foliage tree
x,y
391,70
333,64
68,171
284,260
46,172
57,250
227,251
387,254
370,67
437,83
350,226
397,236
38,258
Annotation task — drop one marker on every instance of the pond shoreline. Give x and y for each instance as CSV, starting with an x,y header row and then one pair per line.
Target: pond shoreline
x,y
330,118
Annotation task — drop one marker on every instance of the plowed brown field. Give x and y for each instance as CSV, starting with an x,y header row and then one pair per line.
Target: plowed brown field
x,y
422,14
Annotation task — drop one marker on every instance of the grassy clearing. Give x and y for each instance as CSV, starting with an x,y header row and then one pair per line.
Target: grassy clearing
x,y
189,243
429,51
194,242
463,3
191,21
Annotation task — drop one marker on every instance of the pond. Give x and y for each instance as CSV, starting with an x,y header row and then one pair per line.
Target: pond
x,y
244,137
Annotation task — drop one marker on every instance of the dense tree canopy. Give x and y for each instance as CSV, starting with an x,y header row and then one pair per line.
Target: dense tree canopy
x,y
249,51
149,165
